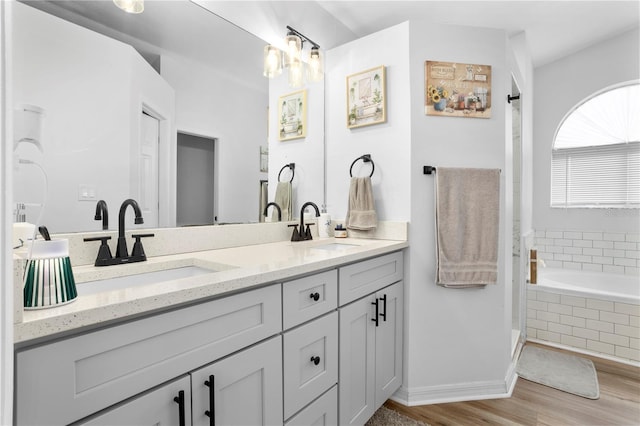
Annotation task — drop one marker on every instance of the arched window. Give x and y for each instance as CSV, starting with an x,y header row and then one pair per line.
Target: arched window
x,y
595,160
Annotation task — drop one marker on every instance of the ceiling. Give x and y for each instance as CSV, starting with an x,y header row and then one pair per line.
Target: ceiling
x,y
553,29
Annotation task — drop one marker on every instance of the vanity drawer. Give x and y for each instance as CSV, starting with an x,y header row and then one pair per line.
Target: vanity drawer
x,y
309,297
321,412
78,376
366,277
310,362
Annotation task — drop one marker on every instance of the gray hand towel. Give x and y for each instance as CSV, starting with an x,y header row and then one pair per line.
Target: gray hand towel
x,y
282,199
467,223
361,213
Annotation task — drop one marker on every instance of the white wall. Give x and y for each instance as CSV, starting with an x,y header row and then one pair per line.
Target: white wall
x,y
388,143
458,339
91,88
307,153
215,105
559,86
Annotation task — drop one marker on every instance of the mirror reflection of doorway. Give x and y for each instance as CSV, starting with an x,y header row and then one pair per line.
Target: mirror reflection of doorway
x,y
195,182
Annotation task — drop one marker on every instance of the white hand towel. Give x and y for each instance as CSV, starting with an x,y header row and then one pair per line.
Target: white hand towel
x,y
361,213
467,224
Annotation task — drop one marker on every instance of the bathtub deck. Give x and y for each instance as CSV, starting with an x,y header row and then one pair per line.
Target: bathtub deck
x,y
535,404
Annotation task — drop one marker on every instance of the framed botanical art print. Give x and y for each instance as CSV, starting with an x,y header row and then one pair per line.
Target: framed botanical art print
x,y
366,98
457,90
292,115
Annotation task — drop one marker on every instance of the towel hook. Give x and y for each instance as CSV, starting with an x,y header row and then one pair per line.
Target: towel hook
x,y
291,166
367,159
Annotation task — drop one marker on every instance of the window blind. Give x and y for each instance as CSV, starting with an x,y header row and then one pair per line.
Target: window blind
x,y
597,176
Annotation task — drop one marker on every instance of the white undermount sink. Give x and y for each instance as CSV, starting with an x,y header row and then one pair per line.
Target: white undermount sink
x,y
141,279
335,246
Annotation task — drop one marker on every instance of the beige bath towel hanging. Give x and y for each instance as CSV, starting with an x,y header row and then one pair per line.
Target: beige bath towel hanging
x,y
467,223
361,213
283,199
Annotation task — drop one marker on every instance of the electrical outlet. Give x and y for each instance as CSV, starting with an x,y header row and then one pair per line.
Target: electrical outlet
x,y
86,192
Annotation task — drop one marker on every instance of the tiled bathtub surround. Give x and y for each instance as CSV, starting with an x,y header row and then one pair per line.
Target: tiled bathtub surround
x,y
617,253
605,327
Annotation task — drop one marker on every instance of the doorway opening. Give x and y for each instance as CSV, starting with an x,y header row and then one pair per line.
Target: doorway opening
x,y
195,180
517,278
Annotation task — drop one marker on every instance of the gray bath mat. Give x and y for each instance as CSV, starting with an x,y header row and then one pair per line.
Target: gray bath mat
x,y
561,371
387,417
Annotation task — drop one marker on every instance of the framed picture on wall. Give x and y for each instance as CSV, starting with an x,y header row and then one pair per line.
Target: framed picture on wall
x,y
457,90
292,116
366,98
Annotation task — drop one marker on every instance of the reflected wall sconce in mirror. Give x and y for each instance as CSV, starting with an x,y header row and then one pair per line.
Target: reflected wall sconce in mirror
x,y
274,60
130,6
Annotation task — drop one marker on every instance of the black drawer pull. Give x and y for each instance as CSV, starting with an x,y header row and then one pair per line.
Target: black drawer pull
x,y
315,360
211,411
315,296
180,400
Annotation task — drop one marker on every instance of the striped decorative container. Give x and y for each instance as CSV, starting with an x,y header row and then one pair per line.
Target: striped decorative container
x,y
48,277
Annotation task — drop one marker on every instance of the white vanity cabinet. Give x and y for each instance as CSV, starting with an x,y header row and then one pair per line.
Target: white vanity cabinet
x,y
370,337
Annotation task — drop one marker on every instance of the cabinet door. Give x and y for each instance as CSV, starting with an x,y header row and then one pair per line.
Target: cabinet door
x,y
321,412
247,388
389,342
158,408
357,357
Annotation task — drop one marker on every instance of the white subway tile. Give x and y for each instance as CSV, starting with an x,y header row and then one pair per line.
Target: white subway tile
x,y
538,324
615,318
572,235
592,267
553,234
539,233
531,295
538,305
625,330
634,321
545,255
603,244
609,236
550,336
583,243
602,260
592,235
614,339
613,269
598,325
626,308
572,250
548,297
628,353
629,270
563,242
562,257
601,305
560,328
548,316
575,342
573,300
573,321
598,346
624,246
623,261
555,249
553,264
632,238
586,333
632,254
531,313
613,253
581,258
586,313
560,308
543,242
532,333
634,343
592,251
571,265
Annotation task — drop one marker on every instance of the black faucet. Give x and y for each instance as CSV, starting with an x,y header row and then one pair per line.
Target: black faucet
x,y
306,234
121,249
102,213
277,208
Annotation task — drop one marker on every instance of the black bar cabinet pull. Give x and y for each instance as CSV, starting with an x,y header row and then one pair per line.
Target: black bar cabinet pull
x,y
211,413
180,400
384,308
315,296
315,360
375,318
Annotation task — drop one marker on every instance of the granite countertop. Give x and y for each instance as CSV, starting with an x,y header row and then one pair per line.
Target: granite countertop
x,y
234,270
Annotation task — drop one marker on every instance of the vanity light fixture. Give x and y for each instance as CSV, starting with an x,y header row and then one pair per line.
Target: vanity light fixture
x,y
130,6
292,60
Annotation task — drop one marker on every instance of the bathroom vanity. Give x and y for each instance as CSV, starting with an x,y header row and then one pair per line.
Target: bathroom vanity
x,y
281,333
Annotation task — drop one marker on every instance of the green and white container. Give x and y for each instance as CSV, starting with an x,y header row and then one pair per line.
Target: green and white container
x,y
48,277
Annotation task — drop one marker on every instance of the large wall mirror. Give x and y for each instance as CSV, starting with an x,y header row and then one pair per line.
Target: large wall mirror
x,y
168,107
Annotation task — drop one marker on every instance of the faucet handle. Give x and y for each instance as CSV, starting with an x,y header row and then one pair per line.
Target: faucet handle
x,y
104,252
307,232
138,250
296,235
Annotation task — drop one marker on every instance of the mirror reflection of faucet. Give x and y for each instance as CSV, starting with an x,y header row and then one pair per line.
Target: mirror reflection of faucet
x,y
102,213
276,206
104,257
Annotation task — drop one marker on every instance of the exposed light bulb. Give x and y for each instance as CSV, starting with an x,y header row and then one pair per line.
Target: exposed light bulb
x,y
314,68
294,47
296,74
130,6
272,61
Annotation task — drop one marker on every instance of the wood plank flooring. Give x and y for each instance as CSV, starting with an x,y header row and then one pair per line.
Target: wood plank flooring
x,y
535,404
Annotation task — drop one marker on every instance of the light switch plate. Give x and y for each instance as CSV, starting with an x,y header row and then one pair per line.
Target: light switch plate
x,y
86,192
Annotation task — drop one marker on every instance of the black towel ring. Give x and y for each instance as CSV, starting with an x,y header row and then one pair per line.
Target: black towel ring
x,y
291,166
367,159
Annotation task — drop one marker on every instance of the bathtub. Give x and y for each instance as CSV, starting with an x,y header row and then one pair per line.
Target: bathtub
x,y
592,312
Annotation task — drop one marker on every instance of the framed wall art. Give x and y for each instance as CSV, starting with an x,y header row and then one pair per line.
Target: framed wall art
x,y
366,98
292,115
457,90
